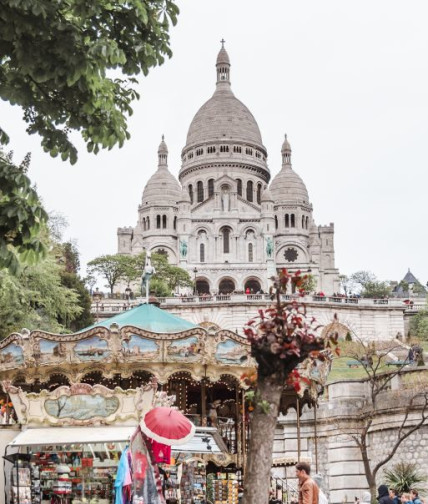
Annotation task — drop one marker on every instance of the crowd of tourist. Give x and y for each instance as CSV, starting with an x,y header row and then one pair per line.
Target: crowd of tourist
x,y
310,491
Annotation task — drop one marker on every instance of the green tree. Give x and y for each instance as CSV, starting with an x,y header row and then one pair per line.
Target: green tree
x,y
84,301
376,289
419,325
119,267
172,276
36,298
110,267
370,286
22,217
59,61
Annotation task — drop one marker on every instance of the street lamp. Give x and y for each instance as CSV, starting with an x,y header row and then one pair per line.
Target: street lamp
x,y
195,271
127,296
96,297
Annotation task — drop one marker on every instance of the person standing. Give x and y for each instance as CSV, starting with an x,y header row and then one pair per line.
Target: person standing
x,y
383,495
322,498
394,496
414,496
308,489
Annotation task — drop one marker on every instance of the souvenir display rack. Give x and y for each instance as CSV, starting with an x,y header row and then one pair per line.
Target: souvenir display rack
x,y
223,488
65,475
193,483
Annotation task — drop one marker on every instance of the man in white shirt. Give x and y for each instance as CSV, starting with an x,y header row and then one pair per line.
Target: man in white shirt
x,y
322,499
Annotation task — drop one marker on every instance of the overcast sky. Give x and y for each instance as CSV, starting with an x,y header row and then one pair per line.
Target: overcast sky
x,y
346,80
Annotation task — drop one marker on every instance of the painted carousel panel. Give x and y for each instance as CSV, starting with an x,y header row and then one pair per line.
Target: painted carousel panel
x,y
11,356
140,348
232,353
185,350
82,406
51,351
93,348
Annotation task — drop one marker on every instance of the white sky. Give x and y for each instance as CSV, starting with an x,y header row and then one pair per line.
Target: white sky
x,y
347,81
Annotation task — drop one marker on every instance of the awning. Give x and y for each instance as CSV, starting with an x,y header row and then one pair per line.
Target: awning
x,y
205,440
72,435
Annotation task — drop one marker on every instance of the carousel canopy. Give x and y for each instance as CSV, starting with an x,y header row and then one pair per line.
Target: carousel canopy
x,y
148,317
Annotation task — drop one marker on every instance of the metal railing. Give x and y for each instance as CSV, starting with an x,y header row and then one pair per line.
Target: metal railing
x,y
283,490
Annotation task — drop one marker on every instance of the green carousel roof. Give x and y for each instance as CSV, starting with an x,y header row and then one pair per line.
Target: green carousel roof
x,y
148,317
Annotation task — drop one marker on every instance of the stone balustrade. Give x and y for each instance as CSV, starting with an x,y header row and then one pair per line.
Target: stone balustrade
x,y
113,306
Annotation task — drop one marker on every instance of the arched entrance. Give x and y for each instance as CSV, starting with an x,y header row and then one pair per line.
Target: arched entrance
x,y
226,286
202,286
253,285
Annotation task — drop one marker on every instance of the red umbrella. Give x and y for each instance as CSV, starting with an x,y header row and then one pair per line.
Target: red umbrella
x,y
167,426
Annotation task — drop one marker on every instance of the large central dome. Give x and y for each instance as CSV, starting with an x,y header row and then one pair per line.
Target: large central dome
x,y
223,117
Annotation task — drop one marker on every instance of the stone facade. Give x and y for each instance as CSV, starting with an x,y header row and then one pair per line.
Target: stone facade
x,y
221,222
339,460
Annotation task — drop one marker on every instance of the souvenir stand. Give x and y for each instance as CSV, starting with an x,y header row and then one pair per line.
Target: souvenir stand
x,y
101,378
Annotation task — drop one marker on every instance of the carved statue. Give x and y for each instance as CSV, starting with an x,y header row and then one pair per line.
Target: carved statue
x,y
148,272
225,200
212,412
183,248
269,247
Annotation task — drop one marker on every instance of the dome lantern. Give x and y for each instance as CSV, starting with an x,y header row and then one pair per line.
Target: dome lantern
x,y
223,65
163,153
286,152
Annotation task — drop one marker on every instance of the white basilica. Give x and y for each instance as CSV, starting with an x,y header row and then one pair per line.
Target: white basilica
x,y
221,221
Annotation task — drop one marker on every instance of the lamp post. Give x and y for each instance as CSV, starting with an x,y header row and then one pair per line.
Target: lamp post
x,y
96,296
195,271
127,297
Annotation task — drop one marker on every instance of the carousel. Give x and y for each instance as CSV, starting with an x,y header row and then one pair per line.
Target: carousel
x,y
78,398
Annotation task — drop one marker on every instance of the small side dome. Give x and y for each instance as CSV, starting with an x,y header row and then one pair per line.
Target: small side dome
x,y
185,197
287,186
267,195
162,188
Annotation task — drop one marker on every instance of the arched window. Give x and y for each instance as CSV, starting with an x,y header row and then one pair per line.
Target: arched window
x,y
191,193
200,191
259,193
148,222
239,187
164,221
249,191
287,220
144,224
158,221
292,220
202,252
307,222
276,222
175,223
250,252
226,240
210,187
303,221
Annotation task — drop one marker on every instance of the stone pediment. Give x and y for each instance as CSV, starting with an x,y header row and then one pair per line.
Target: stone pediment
x,y
225,179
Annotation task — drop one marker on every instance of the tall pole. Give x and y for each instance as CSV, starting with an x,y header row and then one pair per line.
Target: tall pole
x,y
298,429
244,436
316,437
